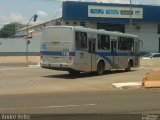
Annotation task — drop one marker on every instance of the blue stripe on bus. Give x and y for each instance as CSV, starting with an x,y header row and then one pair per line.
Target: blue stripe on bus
x,y
56,53
72,54
112,54
113,65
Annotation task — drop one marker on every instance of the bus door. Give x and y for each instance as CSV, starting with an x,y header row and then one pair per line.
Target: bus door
x,y
92,49
82,58
114,52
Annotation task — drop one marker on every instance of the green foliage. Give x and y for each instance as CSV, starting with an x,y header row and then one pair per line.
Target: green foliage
x,y
8,30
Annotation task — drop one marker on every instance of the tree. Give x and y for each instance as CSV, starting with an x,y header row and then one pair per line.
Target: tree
x,y
8,30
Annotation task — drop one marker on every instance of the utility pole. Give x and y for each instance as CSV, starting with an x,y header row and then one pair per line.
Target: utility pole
x,y
27,41
131,15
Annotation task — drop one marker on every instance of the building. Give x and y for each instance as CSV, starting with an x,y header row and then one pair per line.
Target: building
x,y
116,17
141,20
37,28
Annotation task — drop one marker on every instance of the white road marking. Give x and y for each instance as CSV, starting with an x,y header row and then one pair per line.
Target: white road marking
x,y
46,107
146,68
141,67
155,69
128,84
13,68
34,66
16,68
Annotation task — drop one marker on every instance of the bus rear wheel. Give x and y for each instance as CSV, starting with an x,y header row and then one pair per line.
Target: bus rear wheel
x,y
100,68
74,72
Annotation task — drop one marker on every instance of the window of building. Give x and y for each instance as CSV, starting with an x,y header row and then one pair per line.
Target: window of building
x,y
103,42
81,40
83,24
67,23
75,23
125,43
57,23
111,27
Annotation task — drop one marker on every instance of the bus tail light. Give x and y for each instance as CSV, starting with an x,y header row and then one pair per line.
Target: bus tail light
x,y
70,59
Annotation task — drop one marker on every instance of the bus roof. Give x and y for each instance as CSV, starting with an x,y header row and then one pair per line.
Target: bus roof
x,y
99,31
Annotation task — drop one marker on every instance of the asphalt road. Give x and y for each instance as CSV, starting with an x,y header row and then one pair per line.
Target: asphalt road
x,y
115,102
22,80
32,90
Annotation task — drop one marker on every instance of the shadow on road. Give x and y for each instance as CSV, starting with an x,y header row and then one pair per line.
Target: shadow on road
x,y
85,74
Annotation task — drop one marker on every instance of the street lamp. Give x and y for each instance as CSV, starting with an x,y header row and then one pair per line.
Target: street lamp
x,y
27,41
130,14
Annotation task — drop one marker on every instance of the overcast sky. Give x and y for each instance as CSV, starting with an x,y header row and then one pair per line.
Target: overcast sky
x,y
22,10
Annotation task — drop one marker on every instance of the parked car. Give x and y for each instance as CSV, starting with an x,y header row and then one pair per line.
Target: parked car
x,y
151,56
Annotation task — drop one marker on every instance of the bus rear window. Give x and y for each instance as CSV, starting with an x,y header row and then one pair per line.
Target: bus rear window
x,y
54,34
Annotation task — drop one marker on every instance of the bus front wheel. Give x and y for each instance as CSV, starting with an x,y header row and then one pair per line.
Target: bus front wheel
x,y
100,68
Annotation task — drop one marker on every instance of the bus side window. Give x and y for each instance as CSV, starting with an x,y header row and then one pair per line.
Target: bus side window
x,y
81,40
131,44
103,42
125,43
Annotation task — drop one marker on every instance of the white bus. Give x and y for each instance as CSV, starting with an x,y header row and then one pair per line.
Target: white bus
x,y
77,49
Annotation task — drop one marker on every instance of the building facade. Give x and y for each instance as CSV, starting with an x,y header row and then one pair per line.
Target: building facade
x,y
141,20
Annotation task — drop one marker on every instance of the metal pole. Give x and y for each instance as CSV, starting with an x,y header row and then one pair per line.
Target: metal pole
x,y
27,40
131,15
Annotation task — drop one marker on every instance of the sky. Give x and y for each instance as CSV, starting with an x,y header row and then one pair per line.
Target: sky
x,y
22,10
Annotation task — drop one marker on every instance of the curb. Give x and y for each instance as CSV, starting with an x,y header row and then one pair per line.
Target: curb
x,y
152,79
152,84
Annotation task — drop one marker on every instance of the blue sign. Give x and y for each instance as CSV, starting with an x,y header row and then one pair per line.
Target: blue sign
x,y
102,11
112,12
97,11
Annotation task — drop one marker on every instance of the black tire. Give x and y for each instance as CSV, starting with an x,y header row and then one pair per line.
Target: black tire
x,y
128,67
100,68
74,72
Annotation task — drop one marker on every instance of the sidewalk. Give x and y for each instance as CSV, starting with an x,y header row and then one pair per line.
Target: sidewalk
x,y
16,64
18,61
152,79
